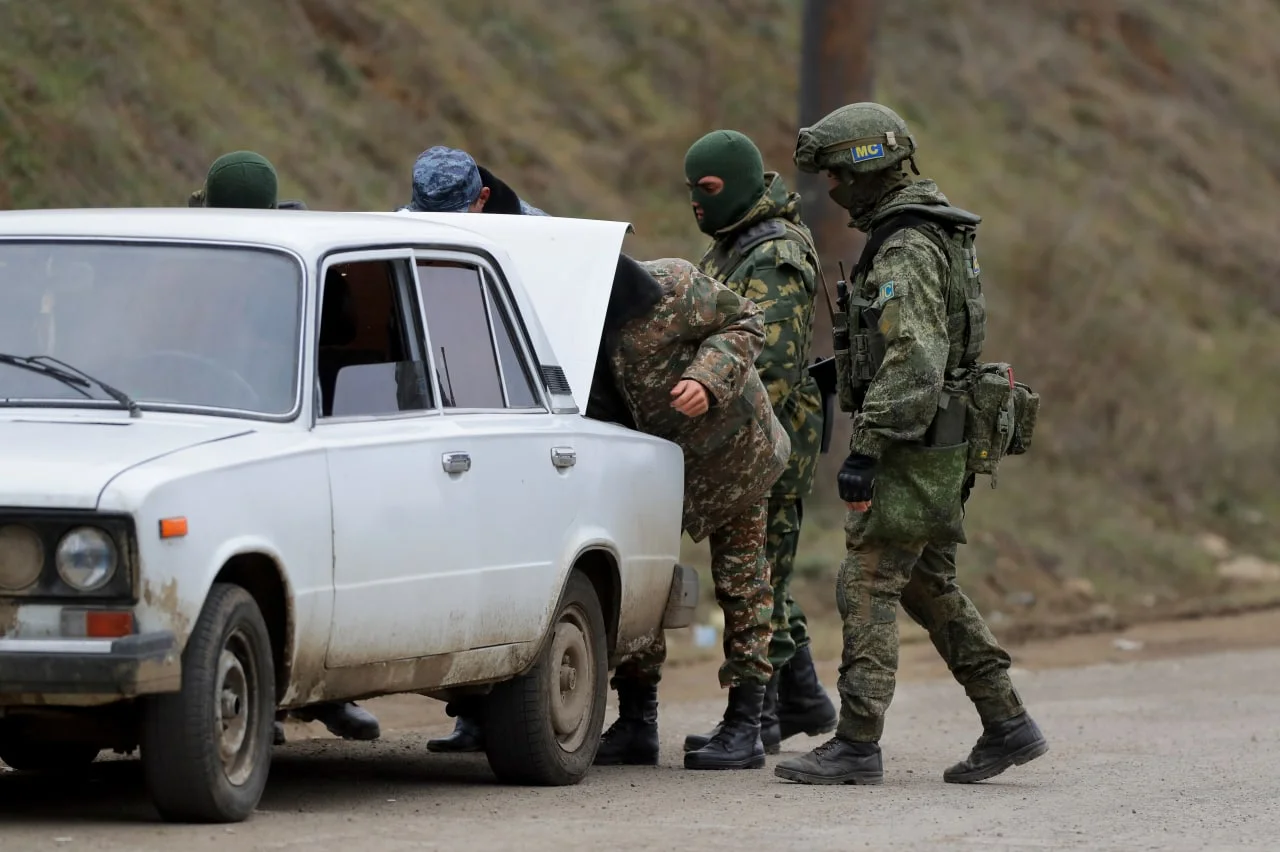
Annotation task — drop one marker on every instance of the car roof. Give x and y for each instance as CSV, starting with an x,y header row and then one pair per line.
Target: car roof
x,y
307,232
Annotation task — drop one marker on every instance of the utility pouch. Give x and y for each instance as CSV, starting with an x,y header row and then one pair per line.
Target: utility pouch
x,y
916,497
840,346
1026,406
1001,414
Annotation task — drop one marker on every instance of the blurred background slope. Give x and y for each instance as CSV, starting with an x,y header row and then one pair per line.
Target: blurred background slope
x,y
1124,154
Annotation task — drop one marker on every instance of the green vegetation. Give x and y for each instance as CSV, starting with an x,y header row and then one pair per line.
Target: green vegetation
x,y
1125,156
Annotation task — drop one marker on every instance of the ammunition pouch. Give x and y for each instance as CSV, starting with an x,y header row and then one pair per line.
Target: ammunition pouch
x,y
917,495
999,415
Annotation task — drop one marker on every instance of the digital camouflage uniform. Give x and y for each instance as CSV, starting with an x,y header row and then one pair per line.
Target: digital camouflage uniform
x,y
910,328
733,453
779,272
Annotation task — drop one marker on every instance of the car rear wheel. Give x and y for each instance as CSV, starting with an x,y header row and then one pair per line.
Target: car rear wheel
x,y
544,727
206,750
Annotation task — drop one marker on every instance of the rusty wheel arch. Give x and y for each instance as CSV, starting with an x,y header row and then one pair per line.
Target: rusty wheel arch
x,y
260,576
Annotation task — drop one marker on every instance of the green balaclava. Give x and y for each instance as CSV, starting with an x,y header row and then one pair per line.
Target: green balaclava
x,y
241,179
732,157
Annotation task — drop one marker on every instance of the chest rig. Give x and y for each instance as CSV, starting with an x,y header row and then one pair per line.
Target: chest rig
x,y
859,343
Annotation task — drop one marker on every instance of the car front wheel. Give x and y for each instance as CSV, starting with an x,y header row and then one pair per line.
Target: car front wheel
x,y
544,727
206,750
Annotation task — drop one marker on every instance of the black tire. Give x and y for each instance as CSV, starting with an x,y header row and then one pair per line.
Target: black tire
x,y
33,755
226,668
543,728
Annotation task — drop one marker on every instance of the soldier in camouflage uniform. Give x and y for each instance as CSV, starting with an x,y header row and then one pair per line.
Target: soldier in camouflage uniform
x,y
763,252
677,360
447,180
246,179
916,321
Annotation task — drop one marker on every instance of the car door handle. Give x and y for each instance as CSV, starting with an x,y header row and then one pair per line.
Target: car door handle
x,y
456,462
563,457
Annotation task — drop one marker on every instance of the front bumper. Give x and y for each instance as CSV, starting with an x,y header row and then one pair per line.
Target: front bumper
x,y
683,599
88,671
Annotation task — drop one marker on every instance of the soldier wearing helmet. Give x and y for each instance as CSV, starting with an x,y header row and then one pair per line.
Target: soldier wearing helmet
x,y
908,333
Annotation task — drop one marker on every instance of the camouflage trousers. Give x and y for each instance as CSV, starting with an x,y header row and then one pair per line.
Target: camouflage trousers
x,y
790,630
874,578
741,575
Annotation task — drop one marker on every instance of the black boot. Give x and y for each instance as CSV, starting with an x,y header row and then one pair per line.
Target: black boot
x,y
836,761
803,705
343,719
632,740
736,745
467,736
770,736
1012,742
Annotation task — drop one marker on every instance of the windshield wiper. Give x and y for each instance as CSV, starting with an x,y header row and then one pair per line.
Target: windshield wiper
x,y
70,376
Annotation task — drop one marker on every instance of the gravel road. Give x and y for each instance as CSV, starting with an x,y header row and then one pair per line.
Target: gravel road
x,y
1161,754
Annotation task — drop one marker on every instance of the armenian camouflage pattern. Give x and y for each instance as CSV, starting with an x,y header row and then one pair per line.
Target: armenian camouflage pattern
x,y
781,277
702,330
741,577
873,578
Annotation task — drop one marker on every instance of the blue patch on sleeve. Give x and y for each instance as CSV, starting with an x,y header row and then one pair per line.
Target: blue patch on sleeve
x,y
862,153
886,291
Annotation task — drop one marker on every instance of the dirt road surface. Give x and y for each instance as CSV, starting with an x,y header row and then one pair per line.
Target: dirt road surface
x,y
1165,738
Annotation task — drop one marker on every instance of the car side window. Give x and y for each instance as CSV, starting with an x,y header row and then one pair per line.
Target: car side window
x,y
462,325
369,360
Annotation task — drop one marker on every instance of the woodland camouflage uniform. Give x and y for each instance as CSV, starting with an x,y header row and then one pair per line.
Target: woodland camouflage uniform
x,y
684,325
763,251
915,324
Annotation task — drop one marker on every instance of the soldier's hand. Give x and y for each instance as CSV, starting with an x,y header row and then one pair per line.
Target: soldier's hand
x,y
855,480
690,398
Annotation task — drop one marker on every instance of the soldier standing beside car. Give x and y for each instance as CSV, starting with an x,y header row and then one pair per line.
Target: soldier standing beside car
x,y
763,252
907,340
246,179
678,351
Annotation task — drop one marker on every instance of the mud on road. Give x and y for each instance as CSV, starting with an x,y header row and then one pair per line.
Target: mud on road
x,y
1166,739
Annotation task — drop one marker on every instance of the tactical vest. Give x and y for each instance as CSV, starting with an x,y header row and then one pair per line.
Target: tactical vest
x,y
980,403
857,321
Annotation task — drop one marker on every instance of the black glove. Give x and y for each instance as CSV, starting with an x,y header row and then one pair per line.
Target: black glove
x,y
855,478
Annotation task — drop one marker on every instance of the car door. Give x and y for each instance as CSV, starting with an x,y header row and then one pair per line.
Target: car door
x,y
404,571
523,458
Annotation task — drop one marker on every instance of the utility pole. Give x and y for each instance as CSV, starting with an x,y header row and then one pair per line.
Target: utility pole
x,y
836,68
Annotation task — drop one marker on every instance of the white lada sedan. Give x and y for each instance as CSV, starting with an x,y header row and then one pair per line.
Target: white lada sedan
x,y
259,460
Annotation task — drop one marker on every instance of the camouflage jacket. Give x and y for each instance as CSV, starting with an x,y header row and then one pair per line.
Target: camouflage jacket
x,y
780,275
701,330
906,279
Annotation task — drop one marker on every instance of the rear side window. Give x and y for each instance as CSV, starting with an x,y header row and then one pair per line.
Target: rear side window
x,y
473,348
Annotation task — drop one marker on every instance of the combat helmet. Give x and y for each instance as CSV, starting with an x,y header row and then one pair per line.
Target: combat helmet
x,y
859,138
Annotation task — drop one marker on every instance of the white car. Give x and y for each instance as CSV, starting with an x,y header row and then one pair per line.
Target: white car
x,y
258,460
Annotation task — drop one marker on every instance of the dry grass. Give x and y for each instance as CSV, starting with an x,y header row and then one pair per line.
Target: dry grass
x,y
1124,153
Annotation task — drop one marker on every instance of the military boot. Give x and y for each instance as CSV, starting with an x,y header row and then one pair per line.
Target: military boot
x,y
467,736
343,719
836,761
736,744
770,737
632,740
1012,742
803,705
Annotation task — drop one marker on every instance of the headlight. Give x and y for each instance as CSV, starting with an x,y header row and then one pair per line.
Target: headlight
x,y
86,559
21,557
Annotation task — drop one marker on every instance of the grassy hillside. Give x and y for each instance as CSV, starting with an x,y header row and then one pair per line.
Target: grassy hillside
x,y
1125,155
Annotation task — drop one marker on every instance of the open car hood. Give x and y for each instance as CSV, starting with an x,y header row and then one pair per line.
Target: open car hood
x,y
566,268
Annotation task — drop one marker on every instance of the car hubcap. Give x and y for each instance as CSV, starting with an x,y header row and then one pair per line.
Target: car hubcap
x,y
236,713
573,681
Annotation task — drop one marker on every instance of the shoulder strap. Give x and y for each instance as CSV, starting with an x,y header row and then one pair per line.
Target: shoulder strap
x,y
886,229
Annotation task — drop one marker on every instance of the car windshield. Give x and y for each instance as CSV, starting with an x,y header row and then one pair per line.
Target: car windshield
x,y
172,325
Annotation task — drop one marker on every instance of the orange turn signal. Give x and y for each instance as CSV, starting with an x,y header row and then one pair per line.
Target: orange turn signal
x,y
107,625
173,527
